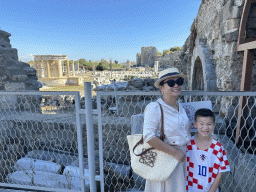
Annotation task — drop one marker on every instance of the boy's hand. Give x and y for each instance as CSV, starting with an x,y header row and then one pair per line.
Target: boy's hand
x,y
180,156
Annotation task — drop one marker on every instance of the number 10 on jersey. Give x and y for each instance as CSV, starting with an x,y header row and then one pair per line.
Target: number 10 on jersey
x,y
202,170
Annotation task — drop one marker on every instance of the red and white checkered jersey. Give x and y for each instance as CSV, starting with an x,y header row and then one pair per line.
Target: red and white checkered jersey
x,y
204,165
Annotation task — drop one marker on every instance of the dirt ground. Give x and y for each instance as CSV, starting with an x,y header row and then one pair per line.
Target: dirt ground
x,y
86,77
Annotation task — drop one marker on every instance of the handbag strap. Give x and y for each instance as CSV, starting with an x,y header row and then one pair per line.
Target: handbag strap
x,y
162,135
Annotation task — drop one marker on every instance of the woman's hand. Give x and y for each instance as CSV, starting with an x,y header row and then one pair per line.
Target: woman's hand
x,y
180,156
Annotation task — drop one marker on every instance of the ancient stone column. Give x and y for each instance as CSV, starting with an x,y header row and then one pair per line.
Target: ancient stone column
x,y
36,68
68,70
48,70
73,68
156,66
94,69
40,68
59,68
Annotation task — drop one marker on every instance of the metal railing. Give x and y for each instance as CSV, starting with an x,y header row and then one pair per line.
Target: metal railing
x,y
41,141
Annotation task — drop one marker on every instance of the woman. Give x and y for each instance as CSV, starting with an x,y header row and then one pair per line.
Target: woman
x,y
176,129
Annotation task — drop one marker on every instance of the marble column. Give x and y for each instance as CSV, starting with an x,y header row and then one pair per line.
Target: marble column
x,y
156,66
73,68
48,70
68,70
59,68
36,68
40,68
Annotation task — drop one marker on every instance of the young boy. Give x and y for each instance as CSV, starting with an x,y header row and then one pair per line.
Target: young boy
x,y
206,157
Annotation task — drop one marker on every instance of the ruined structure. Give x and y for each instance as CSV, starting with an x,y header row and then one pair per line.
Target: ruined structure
x,y
14,75
147,57
51,68
209,56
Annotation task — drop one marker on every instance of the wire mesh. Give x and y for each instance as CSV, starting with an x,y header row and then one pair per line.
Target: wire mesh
x,y
38,136
235,132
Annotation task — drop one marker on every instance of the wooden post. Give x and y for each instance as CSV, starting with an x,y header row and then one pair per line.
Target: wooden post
x,y
245,86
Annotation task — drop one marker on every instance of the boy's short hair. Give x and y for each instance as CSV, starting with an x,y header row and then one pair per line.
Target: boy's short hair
x,y
204,112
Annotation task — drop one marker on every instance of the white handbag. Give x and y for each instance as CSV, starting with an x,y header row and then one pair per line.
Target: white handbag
x,y
150,163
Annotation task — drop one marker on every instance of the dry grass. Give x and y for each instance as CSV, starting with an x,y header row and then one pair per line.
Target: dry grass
x,y
86,77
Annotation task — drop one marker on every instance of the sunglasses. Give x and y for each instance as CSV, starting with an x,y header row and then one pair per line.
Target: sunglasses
x,y
172,82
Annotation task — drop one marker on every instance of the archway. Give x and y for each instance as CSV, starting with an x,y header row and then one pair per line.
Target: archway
x,y
203,75
198,79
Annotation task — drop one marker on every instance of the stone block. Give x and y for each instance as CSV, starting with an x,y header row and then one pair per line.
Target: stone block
x,y
232,36
76,163
14,86
14,190
120,170
61,159
236,12
11,53
251,23
232,25
19,78
226,11
74,171
8,102
36,165
44,179
210,74
238,2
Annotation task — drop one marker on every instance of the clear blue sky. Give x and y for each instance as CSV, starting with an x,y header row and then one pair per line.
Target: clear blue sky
x,y
92,29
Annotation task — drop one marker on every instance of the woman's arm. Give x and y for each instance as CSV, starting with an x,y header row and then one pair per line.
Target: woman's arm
x,y
162,146
216,183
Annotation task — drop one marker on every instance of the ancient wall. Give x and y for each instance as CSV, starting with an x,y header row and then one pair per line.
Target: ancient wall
x,y
148,56
14,75
209,55
138,59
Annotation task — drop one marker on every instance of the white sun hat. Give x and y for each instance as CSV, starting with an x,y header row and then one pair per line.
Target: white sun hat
x,y
167,73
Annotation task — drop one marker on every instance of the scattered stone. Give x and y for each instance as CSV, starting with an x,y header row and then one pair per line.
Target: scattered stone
x,y
44,179
36,165
61,159
74,171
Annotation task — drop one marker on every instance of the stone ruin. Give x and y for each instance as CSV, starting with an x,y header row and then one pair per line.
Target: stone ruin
x,y
209,56
53,72
147,57
15,75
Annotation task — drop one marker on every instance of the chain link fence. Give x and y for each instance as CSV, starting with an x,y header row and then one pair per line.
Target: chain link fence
x,y
39,145
235,129
40,150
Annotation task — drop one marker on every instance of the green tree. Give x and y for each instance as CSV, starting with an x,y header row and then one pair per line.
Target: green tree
x,y
116,62
103,65
159,53
173,49
165,51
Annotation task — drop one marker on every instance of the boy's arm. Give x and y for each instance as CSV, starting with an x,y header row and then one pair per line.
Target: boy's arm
x,y
216,183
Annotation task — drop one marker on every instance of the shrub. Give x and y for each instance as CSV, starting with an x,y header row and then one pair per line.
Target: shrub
x,y
165,51
173,49
159,53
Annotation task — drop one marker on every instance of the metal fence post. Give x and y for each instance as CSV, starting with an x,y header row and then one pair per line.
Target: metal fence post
x,y
80,141
90,134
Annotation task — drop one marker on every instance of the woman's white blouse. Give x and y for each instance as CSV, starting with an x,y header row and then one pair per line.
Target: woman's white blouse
x,y
176,123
